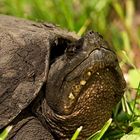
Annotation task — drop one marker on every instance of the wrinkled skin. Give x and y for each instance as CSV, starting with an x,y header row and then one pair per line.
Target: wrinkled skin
x,y
82,84
88,84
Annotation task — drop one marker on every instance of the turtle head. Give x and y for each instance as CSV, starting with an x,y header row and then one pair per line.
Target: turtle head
x,y
85,83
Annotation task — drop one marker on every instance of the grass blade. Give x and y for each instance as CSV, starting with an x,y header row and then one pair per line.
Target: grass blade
x,y
4,134
77,132
98,135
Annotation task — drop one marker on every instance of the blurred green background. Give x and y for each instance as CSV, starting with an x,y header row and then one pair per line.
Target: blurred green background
x,y
117,20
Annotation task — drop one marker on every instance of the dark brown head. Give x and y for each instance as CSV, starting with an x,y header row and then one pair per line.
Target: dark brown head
x,y
84,84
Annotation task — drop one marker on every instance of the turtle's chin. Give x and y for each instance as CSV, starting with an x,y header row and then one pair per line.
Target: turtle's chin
x,y
94,104
95,84
106,84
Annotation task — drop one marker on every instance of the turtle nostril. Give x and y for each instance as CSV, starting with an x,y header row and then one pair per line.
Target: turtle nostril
x,y
91,32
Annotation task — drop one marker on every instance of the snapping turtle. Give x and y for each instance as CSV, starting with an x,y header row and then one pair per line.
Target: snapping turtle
x,y
52,82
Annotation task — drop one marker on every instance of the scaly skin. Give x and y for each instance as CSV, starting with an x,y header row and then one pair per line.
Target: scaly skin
x,y
88,84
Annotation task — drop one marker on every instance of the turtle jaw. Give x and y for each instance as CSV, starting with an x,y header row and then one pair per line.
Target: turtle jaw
x,y
77,81
86,87
93,106
72,77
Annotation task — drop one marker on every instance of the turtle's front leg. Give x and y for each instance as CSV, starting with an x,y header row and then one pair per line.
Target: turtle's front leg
x,y
30,129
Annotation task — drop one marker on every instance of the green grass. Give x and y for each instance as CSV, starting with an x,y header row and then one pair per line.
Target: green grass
x,y
4,134
115,21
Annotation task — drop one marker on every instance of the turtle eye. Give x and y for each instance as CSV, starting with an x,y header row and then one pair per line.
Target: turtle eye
x,y
71,50
74,48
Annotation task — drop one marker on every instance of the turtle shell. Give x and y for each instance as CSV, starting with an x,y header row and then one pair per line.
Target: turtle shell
x,y
24,62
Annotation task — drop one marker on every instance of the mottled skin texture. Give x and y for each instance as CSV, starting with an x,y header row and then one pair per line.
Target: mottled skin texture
x,y
52,82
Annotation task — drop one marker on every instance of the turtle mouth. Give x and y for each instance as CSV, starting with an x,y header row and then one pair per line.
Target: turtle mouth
x,y
76,75
82,77
93,106
95,84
